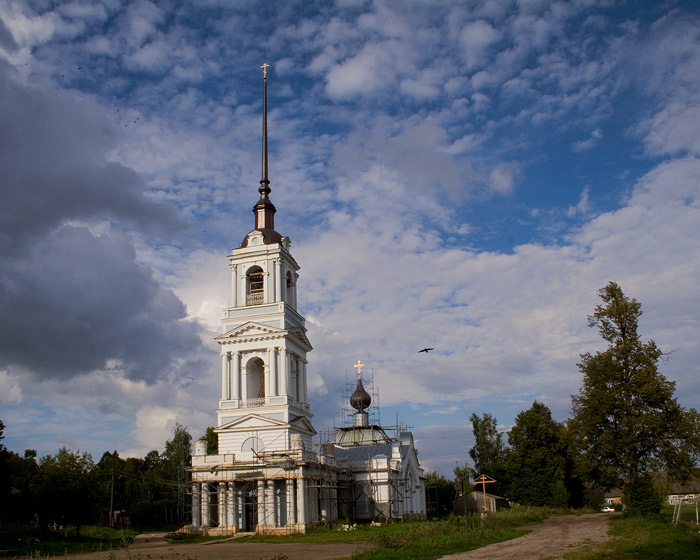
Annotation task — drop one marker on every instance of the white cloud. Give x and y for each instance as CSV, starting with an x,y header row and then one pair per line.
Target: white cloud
x,y
10,388
503,177
592,141
475,38
383,169
154,425
372,69
583,206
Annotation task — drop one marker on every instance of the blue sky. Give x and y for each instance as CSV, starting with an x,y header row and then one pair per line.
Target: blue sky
x,y
463,175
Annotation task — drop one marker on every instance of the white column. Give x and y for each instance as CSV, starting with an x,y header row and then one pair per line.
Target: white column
x,y
224,375
284,372
271,514
305,382
231,505
267,370
274,381
291,503
236,376
234,285
300,381
228,375
294,289
221,504
196,504
261,504
269,288
242,288
278,281
301,501
205,505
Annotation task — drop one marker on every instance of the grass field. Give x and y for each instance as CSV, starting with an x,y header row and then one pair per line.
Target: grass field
x,y
424,539
649,539
35,542
635,538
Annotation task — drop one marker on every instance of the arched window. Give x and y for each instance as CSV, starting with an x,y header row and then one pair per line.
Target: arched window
x,y
255,286
255,382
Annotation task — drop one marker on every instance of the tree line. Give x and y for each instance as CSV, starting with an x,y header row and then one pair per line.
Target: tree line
x,y
626,425
69,488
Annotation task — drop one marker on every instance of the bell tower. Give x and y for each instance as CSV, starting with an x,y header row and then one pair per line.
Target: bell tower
x,y
264,398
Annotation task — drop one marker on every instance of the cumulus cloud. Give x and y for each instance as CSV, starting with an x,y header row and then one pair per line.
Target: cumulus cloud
x,y
74,300
475,39
503,177
423,158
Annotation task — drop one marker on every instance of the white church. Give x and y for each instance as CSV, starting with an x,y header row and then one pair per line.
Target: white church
x,y
267,476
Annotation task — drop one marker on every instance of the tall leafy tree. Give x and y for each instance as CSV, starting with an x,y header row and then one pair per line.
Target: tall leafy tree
x,y
67,489
489,453
175,473
20,503
440,494
626,422
537,459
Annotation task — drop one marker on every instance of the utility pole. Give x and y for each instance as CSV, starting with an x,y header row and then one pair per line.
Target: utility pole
x,y
111,498
484,480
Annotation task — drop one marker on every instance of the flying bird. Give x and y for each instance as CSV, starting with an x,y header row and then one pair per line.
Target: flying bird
x,y
426,350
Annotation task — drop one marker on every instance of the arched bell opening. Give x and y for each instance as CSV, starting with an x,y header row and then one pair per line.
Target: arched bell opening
x,y
255,286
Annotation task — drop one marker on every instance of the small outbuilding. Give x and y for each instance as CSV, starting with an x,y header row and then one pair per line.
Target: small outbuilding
x,y
474,503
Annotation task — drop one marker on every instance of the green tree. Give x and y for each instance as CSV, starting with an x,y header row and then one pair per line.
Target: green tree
x,y
537,459
22,499
5,486
212,440
462,480
109,485
440,494
66,489
626,422
489,453
175,474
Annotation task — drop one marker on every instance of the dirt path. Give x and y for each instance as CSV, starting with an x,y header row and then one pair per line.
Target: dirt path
x,y
229,551
550,539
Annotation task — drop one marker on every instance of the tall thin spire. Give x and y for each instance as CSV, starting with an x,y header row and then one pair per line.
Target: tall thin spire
x,y
264,210
264,181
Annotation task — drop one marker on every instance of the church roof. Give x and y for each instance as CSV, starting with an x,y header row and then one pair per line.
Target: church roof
x,y
357,456
353,436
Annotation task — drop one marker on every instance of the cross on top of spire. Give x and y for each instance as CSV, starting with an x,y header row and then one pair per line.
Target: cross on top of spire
x,y
358,366
265,67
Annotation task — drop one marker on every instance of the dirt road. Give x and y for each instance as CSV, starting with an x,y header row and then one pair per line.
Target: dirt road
x,y
229,551
550,539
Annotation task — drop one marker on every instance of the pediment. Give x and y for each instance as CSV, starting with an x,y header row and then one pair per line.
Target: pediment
x,y
302,424
251,421
252,330
300,335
